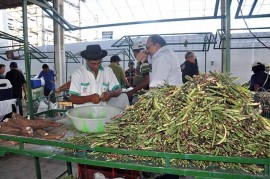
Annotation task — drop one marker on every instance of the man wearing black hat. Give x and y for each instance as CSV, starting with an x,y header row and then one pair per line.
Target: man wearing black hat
x,y
94,83
260,79
18,83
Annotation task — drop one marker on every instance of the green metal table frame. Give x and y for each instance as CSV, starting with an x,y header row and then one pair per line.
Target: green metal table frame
x,y
83,158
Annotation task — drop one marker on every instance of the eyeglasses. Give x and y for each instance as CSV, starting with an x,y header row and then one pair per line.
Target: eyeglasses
x,y
148,46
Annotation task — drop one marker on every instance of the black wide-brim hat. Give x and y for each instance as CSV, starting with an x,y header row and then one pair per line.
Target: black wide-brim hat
x,y
93,52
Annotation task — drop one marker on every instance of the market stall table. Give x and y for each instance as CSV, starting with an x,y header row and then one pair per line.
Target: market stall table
x,y
51,149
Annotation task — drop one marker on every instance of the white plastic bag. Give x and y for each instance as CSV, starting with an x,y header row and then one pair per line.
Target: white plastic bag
x,y
45,106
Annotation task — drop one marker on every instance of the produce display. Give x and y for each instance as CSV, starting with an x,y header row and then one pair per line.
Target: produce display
x,y
18,125
210,115
264,98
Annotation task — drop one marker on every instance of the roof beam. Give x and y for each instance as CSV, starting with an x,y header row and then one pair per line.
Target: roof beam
x,y
216,8
253,7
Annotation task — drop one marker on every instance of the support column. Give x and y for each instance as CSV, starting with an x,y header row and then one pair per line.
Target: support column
x,y
27,60
59,49
223,42
226,44
228,36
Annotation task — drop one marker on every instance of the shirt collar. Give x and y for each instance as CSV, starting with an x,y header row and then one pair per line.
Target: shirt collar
x,y
164,48
100,68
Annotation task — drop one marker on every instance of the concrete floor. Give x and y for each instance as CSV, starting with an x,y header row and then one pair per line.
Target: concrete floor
x,y
15,166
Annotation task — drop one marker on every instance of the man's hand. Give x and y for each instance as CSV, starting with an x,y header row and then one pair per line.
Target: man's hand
x,y
142,56
130,93
94,98
105,96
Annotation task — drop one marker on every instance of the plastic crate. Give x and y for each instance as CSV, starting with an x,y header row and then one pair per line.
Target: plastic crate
x,y
88,172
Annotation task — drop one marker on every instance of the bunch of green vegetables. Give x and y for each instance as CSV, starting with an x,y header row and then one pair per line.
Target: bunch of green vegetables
x,y
208,115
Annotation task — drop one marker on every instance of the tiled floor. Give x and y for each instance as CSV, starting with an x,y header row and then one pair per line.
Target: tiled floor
x,y
15,166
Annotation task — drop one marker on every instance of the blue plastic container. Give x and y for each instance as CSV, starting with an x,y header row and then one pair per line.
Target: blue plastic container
x,y
35,83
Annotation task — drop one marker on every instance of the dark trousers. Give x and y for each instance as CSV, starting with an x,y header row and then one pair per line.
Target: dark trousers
x,y
20,107
47,93
19,103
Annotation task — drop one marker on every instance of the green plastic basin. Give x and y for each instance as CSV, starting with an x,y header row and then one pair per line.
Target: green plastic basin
x,y
92,118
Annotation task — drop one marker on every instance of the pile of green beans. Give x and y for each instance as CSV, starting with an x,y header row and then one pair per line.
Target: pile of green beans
x,y
210,114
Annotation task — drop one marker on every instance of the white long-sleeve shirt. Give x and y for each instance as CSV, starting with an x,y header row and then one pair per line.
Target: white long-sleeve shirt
x,y
165,68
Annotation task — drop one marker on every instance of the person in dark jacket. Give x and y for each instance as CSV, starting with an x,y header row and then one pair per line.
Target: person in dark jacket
x,y
190,66
260,79
18,83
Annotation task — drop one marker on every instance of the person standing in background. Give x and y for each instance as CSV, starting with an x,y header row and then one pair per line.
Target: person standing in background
x,y
260,79
18,83
164,63
130,72
2,71
118,71
189,67
141,79
48,76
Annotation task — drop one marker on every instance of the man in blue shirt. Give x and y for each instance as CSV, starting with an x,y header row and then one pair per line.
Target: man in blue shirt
x,y
48,76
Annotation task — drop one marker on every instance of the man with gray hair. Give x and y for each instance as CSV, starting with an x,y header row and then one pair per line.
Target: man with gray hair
x,y
164,62
190,66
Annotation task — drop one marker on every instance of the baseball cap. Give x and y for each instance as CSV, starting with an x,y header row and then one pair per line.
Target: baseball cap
x,y
137,46
257,64
13,65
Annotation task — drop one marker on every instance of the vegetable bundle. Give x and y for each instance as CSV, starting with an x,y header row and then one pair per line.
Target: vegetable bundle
x,y
208,115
